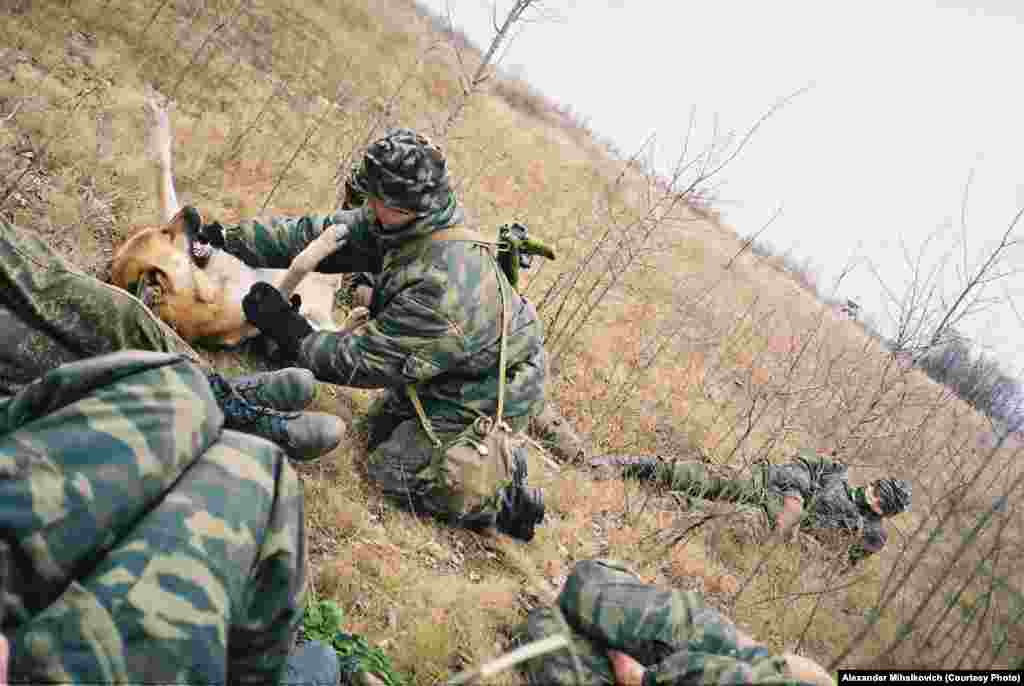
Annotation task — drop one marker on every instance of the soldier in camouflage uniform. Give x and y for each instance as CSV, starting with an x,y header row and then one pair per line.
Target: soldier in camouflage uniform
x,y
812,492
435,314
149,545
52,313
626,632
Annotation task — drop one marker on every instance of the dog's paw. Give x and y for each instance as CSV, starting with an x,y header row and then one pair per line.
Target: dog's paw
x,y
159,140
212,234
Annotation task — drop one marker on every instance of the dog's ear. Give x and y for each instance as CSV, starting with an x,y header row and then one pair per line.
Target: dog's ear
x,y
144,280
156,276
152,286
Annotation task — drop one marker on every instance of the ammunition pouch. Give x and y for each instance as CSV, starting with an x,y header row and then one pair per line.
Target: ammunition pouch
x,y
478,480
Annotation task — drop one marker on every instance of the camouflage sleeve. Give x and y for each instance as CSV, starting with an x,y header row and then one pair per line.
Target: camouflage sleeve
x,y
409,340
273,584
176,558
273,242
52,313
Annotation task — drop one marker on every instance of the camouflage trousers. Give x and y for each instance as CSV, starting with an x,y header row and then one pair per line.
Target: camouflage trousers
x,y
400,451
52,313
699,480
672,633
149,545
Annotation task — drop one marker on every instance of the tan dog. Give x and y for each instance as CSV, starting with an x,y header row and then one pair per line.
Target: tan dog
x,y
194,288
205,304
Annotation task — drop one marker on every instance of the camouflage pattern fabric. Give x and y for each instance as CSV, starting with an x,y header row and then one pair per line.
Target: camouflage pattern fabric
x,y
405,171
703,481
52,313
678,638
829,503
434,313
176,558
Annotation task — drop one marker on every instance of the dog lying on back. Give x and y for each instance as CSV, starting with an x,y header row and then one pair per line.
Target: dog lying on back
x,y
189,283
198,289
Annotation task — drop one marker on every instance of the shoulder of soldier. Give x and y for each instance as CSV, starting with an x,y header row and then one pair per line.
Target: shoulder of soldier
x,y
425,286
457,262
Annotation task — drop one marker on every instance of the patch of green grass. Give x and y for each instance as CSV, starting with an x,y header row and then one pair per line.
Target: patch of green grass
x,y
323,621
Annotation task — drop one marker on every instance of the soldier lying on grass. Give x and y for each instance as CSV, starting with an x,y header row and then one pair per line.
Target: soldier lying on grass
x,y
811,493
629,633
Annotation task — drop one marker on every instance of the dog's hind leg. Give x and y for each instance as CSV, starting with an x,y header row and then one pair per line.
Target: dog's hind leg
x,y
159,149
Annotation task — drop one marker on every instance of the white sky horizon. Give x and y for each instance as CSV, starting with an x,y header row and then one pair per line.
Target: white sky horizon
x,y
908,100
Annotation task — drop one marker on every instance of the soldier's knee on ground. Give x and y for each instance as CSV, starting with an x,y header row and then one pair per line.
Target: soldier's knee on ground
x,y
394,464
382,418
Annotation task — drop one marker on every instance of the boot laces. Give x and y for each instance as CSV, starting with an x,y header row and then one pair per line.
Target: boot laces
x,y
241,412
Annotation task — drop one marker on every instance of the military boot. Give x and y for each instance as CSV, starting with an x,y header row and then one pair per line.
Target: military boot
x,y
286,390
521,510
303,435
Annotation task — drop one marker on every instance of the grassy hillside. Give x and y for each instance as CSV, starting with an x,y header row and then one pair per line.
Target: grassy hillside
x,y
666,335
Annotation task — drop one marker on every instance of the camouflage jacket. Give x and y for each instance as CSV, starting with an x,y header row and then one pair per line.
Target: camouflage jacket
x,y
435,314
148,545
674,634
828,500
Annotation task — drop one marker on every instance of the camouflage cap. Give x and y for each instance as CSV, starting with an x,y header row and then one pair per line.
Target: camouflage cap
x,y
893,495
406,171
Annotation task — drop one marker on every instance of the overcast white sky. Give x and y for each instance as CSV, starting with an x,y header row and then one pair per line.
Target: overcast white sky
x,y
909,96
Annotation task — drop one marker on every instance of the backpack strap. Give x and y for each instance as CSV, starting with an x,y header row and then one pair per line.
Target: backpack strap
x,y
452,233
459,233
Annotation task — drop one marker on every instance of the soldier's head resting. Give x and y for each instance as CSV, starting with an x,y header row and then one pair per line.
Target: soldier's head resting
x,y
889,497
404,177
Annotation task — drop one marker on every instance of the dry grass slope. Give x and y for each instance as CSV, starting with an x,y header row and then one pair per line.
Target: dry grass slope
x,y
665,341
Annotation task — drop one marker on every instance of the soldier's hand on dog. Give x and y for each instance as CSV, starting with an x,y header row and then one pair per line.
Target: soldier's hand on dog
x,y
267,310
212,233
